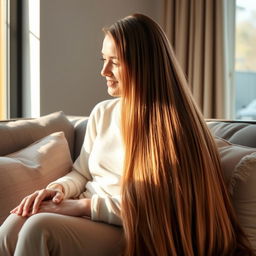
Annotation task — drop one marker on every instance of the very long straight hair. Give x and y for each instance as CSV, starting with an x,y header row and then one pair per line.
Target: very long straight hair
x,y
174,200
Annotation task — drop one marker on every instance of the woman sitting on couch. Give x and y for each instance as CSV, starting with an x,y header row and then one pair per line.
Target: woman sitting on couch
x,y
148,174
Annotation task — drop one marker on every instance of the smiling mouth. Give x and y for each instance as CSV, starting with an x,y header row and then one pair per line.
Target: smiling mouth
x,y
111,82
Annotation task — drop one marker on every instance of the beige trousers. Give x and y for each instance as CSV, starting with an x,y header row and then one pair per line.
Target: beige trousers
x,y
46,234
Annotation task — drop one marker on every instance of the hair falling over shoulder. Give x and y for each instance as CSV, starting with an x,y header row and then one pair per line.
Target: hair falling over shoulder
x,y
174,199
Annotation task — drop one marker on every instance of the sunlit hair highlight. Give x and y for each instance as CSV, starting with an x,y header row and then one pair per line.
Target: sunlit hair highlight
x,y
174,200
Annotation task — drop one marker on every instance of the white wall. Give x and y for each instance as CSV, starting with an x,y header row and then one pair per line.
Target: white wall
x,y
31,58
70,49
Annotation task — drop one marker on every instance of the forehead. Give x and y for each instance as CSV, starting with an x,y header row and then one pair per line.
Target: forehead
x,y
109,47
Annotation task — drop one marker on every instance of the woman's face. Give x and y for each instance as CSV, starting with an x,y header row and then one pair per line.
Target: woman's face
x,y
111,67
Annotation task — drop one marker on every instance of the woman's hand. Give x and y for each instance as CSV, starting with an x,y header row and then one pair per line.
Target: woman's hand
x,y
31,203
71,207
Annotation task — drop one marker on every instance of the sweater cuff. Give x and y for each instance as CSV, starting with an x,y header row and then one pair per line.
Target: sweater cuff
x,y
67,192
105,209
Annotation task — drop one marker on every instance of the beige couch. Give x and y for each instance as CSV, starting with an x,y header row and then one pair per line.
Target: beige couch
x,y
236,141
35,152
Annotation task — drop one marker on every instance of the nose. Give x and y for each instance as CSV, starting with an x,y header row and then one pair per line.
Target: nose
x,y
106,70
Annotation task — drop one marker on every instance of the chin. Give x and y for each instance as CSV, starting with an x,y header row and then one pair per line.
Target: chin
x,y
114,93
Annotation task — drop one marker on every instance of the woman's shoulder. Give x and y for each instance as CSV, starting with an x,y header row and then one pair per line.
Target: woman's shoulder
x,y
106,106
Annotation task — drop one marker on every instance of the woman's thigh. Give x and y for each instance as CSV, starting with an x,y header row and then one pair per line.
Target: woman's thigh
x,y
56,234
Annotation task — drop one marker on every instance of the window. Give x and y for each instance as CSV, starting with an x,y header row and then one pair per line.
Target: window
x,y
3,59
10,58
19,58
245,60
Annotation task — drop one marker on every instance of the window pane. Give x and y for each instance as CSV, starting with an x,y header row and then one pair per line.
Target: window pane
x,y
245,59
3,10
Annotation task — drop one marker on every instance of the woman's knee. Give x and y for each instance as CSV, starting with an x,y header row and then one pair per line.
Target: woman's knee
x,y
9,233
35,235
36,226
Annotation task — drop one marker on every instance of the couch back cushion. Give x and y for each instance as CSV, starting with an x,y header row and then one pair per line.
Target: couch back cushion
x,y
239,169
16,135
236,132
80,125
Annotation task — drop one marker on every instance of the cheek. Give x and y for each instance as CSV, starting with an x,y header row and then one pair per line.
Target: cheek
x,y
118,74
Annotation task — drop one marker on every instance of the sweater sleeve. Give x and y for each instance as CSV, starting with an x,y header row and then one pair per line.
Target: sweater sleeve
x,y
106,209
74,181
105,204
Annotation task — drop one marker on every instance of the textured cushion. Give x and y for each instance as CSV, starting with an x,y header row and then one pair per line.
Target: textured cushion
x,y
244,195
239,168
16,135
231,155
240,133
32,168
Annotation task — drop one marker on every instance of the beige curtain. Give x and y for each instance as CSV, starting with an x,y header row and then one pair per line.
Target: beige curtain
x,y
195,30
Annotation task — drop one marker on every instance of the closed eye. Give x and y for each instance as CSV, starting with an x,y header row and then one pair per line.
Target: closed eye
x,y
114,63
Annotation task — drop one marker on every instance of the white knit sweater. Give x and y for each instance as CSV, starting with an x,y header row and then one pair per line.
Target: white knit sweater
x,y
96,173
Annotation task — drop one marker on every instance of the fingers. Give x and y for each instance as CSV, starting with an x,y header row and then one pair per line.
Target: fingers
x,y
14,210
31,203
42,194
58,197
23,208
